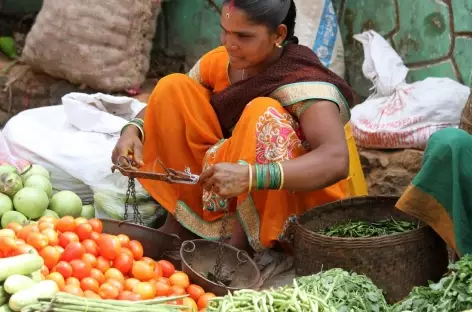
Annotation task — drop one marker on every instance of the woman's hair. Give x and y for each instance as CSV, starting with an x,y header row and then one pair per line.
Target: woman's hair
x,y
271,13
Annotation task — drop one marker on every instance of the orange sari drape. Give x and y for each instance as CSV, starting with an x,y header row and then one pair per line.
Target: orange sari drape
x,y
183,131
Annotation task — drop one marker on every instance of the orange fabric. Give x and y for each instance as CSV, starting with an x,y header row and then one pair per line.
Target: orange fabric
x,y
183,131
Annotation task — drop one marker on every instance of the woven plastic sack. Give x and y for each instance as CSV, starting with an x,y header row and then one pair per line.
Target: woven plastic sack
x,y
105,45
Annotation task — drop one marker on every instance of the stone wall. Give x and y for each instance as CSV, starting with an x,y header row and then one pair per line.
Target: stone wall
x,y
390,172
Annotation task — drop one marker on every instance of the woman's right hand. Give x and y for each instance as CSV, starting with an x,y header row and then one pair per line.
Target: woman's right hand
x,y
129,144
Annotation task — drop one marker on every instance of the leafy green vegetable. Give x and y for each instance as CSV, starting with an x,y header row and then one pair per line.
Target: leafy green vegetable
x,y
345,291
365,229
453,293
331,291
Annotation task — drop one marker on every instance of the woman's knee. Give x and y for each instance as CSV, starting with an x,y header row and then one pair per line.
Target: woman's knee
x,y
444,141
173,80
261,104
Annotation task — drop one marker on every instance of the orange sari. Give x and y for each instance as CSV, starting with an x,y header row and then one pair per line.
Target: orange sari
x,y
183,130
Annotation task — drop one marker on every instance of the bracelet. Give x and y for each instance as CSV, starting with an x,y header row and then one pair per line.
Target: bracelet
x,y
282,177
269,176
250,178
138,123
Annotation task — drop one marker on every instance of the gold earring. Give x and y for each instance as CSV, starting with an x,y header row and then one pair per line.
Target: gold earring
x,y
278,45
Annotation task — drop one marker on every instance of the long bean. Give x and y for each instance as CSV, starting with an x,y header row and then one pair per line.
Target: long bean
x,y
369,229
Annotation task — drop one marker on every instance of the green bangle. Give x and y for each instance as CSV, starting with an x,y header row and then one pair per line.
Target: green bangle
x,y
259,177
273,177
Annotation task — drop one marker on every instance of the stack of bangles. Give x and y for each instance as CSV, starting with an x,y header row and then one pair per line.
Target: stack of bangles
x,y
138,123
268,176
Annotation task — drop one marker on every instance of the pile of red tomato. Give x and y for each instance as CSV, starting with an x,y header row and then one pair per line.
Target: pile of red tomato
x,y
86,262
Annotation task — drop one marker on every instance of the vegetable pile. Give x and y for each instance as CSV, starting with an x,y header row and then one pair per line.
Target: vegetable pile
x,y
356,229
80,260
27,194
331,291
453,293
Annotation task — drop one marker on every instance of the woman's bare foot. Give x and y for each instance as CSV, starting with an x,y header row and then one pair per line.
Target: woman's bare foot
x,y
172,226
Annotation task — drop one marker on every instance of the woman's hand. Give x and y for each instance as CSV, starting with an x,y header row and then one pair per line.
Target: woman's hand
x,y
226,180
129,143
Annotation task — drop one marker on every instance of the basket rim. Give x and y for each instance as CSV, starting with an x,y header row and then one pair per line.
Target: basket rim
x,y
182,250
400,237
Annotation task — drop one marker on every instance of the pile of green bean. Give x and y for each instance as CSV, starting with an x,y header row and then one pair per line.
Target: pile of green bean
x,y
331,291
356,229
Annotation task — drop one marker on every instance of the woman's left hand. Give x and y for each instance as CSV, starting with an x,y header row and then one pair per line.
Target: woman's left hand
x,y
226,180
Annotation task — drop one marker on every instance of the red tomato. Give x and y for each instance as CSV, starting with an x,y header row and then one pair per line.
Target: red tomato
x,y
64,268
96,225
16,227
142,271
90,259
26,230
72,281
164,280
91,247
91,295
124,263
73,290
95,237
45,225
162,289
98,275
126,250
73,251
65,224
124,295
190,304
146,290
130,283
167,268
157,271
103,264
203,301
47,219
80,269
179,279
66,238
134,297
52,236
8,244
37,240
84,231
177,291
109,246
44,270
58,278
50,256
118,284
108,291
137,249
80,220
195,292
91,284
114,274
124,240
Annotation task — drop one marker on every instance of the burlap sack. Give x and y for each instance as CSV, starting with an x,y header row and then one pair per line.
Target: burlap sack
x,y
105,45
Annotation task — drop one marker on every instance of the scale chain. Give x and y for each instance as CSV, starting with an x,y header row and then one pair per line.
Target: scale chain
x,y
131,192
217,269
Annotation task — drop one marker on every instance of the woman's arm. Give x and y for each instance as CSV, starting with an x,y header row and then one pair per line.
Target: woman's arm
x,y
328,162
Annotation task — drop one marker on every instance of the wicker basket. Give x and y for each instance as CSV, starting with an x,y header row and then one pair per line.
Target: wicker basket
x,y
395,263
466,117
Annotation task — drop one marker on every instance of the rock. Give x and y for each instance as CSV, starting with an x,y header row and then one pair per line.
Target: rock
x,y
389,172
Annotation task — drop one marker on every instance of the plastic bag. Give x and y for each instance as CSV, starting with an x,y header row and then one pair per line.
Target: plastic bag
x,y
74,141
111,205
6,156
398,114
